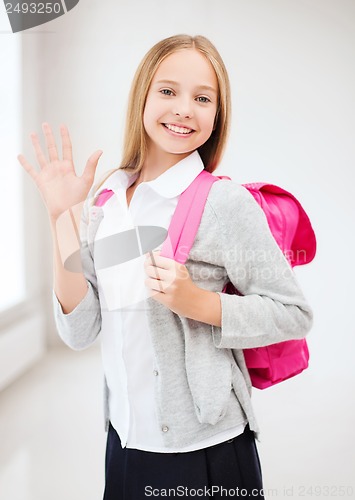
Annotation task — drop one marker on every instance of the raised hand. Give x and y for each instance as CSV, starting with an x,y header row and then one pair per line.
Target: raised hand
x,y
60,187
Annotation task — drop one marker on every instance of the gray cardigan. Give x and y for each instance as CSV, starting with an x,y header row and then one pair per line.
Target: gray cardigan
x,y
203,385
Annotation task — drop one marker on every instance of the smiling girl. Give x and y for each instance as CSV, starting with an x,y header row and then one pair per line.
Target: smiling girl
x,y
178,408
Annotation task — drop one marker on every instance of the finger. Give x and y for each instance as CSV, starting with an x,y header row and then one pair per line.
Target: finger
x,y
27,167
90,167
153,260
157,272
155,285
159,261
52,148
67,145
38,150
153,269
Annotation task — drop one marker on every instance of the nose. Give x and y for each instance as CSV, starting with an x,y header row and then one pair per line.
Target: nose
x,y
183,108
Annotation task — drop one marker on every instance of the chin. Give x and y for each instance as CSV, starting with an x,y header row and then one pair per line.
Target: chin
x,y
183,152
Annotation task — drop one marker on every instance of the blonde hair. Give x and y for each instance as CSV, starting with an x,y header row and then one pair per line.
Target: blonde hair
x,y
135,138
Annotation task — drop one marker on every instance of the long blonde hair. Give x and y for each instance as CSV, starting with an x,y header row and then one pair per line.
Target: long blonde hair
x,y
135,138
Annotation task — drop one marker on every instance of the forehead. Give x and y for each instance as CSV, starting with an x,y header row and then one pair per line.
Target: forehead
x,y
187,65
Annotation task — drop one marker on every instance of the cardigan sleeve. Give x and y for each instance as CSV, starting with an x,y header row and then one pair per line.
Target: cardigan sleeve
x,y
79,328
272,307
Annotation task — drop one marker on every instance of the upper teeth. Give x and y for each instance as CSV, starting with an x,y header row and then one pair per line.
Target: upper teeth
x,y
180,130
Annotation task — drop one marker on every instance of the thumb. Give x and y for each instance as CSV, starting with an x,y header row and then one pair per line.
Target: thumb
x,y
90,167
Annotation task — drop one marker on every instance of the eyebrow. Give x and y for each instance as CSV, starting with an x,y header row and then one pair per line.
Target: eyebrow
x,y
203,87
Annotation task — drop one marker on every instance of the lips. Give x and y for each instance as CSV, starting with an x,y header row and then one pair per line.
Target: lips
x,y
178,129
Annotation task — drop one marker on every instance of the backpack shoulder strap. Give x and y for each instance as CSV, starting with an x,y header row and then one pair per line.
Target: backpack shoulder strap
x,y
103,197
185,222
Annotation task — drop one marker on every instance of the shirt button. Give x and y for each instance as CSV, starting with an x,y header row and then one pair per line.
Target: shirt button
x,y
155,372
165,428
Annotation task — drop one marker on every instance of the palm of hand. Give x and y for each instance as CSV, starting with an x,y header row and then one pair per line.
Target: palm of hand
x,y
60,187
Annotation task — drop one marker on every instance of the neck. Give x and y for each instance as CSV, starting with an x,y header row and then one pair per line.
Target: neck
x,y
158,162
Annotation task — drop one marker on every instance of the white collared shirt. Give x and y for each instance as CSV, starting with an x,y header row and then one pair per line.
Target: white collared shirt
x,y
127,351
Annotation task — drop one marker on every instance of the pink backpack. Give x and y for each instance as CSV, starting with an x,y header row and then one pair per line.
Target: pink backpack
x,y
293,233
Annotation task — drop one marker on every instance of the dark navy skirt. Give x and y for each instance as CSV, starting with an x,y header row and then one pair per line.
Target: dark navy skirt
x,y
226,470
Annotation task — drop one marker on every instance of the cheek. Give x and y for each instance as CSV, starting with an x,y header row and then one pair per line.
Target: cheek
x,y
207,121
149,118
146,114
153,110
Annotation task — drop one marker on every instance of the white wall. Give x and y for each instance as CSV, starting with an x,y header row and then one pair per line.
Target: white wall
x,y
292,72
293,110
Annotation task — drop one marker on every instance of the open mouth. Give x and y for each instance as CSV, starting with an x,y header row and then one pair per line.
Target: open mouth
x,y
181,131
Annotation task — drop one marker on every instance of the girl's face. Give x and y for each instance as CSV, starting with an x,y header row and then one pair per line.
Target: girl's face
x,y
181,105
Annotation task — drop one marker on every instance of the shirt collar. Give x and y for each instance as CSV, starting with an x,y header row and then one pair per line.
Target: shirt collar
x,y
169,184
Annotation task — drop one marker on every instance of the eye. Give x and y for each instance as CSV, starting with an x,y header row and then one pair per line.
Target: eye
x,y
166,92
206,99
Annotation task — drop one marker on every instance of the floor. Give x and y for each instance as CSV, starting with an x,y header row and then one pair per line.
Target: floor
x,y
52,440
